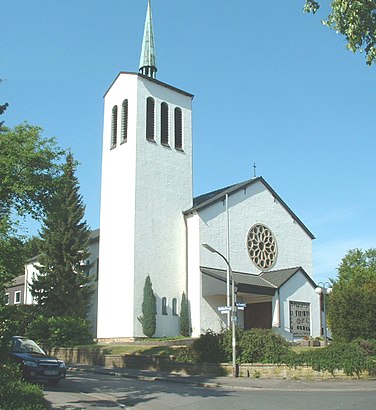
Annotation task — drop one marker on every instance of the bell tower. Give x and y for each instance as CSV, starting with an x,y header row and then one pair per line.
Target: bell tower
x,y
146,186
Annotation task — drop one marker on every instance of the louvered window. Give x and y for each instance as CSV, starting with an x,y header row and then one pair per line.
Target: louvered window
x,y
114,126
174,307
150,115
124,121
178,128
164,124
164,306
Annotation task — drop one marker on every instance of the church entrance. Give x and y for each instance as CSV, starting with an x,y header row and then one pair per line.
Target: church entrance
x,y
258,315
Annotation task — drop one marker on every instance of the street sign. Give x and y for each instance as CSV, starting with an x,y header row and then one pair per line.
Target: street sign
x,y
241,305
224,308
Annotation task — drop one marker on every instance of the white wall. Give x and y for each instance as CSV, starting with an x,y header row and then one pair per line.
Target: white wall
x,y
145,188
298,289
247,208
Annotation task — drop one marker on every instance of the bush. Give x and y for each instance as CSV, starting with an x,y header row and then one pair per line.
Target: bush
x,y
262,345
205,349
60,331
16,394
15,320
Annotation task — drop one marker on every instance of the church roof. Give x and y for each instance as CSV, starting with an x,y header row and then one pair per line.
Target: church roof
x,y
264,283
210,198
148,59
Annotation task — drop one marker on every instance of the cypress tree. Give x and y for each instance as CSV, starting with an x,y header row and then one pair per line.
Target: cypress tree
x,y
62,288
184,316
149,309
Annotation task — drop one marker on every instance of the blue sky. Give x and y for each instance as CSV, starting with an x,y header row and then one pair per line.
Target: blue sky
x,y
272,86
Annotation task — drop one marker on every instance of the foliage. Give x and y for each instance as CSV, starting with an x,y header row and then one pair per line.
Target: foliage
x,y
184,316
28,169
262,345
349,357
62,287
149,309
352,307
16,394
63,331
32,246
15,320
355,20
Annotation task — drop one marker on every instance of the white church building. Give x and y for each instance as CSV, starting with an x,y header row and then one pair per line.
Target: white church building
x,y
150,224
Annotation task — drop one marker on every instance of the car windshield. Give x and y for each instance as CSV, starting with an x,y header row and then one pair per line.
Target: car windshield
x,y
25,346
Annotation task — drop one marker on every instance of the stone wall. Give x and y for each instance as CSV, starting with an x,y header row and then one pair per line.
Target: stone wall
x,y
96,357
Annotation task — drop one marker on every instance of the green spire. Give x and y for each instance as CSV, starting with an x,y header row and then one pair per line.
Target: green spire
x,y
148,61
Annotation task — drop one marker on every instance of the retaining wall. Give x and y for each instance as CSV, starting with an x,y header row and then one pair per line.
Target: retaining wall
x,y
97,357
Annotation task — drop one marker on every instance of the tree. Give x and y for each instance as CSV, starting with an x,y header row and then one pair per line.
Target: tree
x,y
28,169
62,287
184,316
149,309
3,107
352,307
355,20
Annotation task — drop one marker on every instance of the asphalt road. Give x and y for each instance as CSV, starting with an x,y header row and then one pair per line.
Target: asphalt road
x,y
89,390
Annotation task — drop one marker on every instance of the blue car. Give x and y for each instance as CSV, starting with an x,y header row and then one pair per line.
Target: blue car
x,y
36,366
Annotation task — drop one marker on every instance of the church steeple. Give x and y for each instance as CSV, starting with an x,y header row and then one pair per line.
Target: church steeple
x,y
148,61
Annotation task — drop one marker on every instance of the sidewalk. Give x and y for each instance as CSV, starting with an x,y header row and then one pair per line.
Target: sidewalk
x,y
239,383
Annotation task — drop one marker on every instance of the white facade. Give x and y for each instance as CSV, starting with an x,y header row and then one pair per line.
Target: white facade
x,y
145,188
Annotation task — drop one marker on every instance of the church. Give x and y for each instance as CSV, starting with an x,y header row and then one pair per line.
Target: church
x,y
241,240
150,225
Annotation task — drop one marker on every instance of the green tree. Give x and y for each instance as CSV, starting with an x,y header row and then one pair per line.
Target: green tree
x,y
352,307
29,165
62,288
149,309
184,316
355,20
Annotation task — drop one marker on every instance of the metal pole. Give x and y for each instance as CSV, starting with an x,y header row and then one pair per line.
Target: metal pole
x,y
228,259
233,311
234,370
325,329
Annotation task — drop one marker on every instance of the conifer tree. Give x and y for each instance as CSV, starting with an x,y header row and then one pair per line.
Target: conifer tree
x,y
184,316
149,309
62,288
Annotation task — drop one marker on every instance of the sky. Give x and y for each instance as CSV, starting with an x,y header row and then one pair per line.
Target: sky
x,y
272,86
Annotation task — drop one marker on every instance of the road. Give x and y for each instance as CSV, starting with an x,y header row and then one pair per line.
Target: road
x,y
86,390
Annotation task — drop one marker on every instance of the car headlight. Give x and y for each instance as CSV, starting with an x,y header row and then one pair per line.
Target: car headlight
x,y
30,363
62,365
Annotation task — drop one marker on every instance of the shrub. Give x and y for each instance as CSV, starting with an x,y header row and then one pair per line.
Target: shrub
x,y
149,309
60,331
16,394
207,349
262,345
15,320
184,316
349,357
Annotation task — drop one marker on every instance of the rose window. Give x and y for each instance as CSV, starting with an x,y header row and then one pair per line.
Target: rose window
x,y
262,246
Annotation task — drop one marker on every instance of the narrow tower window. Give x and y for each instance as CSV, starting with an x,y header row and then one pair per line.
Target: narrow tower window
x,y
164,306
114,126
164,124
174,307
124,121
150,108
178,128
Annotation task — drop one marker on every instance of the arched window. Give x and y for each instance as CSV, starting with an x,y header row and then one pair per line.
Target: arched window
x,y
150,113
164,306
174,307
164,124
114,126
124,121
178,128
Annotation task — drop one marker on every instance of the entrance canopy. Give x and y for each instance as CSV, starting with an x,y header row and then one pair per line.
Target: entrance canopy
x,y
257,287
